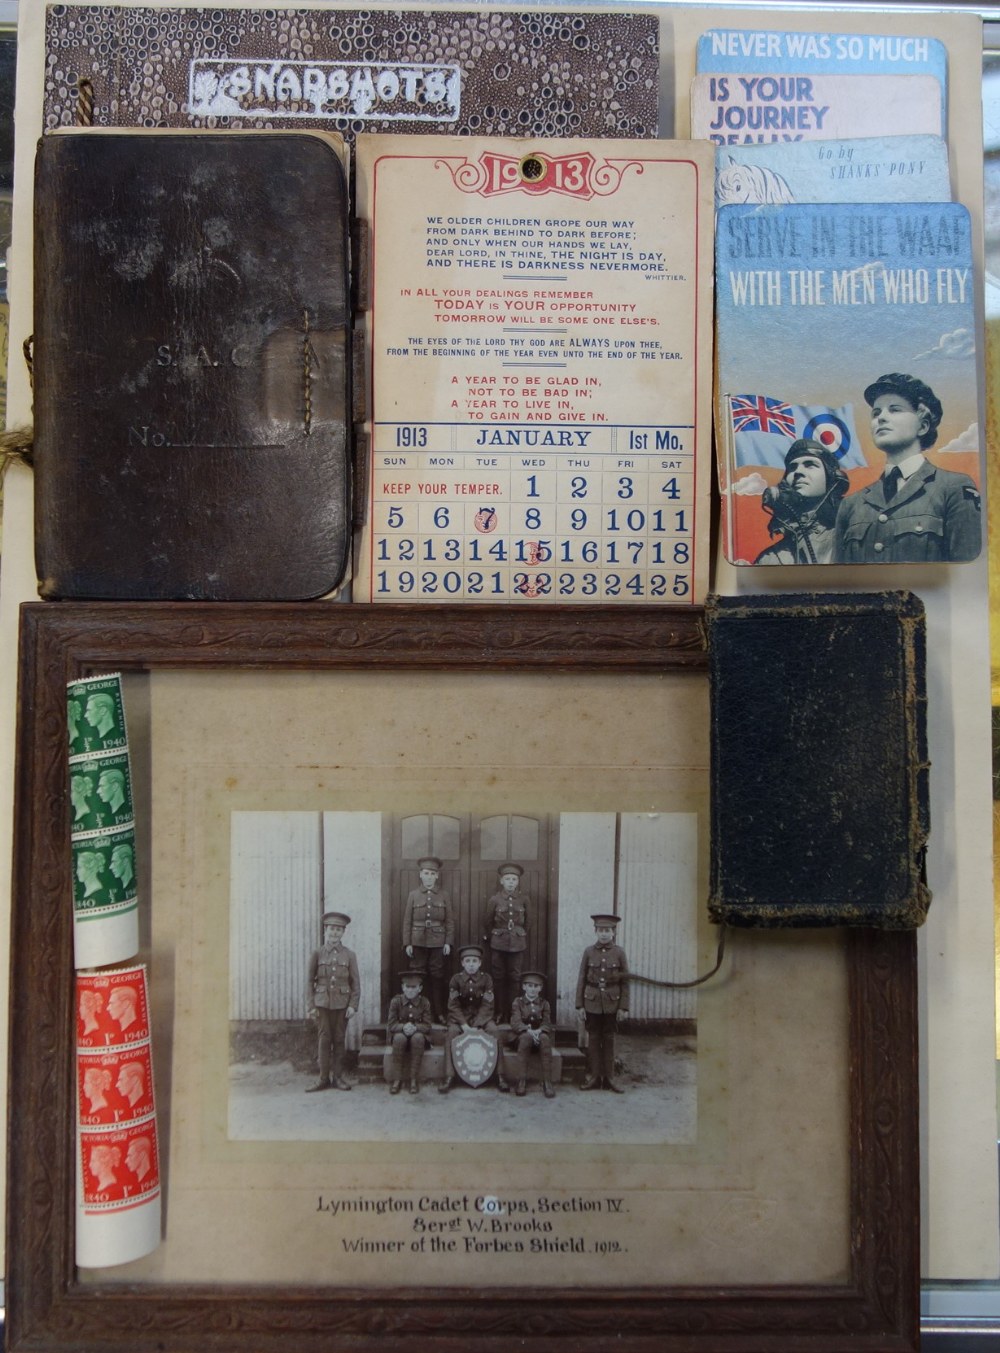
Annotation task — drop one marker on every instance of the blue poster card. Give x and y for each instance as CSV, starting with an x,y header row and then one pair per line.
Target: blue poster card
x,y
735,110
849,325
862,169
764,52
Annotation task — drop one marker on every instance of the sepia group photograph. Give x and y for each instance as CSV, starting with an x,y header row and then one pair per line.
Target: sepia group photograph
x,y
477,975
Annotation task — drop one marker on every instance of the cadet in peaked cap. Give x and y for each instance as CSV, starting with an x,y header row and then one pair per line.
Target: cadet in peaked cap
x,y
531,1027
470,1006
333,991
408,1028
602,995
506,924
429,932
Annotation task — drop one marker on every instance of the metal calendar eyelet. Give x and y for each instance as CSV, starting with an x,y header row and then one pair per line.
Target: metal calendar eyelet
x,y
533,169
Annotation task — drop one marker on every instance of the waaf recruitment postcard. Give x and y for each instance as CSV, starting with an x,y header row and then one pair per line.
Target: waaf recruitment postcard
x,y
865,169
847,417
733,110
540,354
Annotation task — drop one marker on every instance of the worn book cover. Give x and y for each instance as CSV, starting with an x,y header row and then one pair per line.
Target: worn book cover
x,y
847,417
818,760
190,366
539,338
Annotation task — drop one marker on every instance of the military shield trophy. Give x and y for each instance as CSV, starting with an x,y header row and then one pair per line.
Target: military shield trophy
x,y
474,1055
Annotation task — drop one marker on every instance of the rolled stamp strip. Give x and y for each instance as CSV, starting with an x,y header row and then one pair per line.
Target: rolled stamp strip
x,y
103,857
112,1009
115,1086
95,716
118,1214
120,1166
100,794
103,876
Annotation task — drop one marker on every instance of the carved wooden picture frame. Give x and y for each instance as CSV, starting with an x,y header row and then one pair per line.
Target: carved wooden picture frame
x,y
872,1304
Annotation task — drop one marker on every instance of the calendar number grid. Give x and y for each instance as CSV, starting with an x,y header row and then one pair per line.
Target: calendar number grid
x,y
457,516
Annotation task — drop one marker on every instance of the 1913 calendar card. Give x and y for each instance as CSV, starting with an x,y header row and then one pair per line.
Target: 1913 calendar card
x,y
539,342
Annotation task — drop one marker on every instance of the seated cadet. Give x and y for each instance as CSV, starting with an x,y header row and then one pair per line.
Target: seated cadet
x,y
531,1025
408,1027
470,1006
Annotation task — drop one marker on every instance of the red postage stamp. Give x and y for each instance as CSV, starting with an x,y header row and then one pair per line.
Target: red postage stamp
x,y
120,1166
112,1008
115,1086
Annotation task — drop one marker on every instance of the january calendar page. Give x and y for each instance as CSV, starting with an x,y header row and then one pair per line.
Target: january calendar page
x,y
539,362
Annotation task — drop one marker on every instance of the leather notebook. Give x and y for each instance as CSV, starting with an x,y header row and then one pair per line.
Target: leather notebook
x,y
191,365
819,774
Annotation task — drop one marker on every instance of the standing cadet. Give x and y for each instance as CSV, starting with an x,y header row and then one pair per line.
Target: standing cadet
x,y
602,993
333,990
429,932
408,1027
505,930
531,1025
470,1006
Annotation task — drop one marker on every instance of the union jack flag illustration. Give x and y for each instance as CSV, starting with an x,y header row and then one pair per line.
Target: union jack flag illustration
x,y
758,413
764,429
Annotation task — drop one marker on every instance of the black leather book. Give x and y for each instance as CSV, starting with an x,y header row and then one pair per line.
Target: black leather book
x,y
191,365
819,774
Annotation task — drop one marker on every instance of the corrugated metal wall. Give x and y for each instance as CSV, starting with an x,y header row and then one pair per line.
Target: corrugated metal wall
x,y
352,867
276,901
586,885
655,894
657,877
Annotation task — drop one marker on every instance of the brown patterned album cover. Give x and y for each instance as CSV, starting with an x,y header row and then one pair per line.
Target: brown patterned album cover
x,y
501,73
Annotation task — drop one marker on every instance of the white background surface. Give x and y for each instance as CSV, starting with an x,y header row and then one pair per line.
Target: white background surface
x,y
957,976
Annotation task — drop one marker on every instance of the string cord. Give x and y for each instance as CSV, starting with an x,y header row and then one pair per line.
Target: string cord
x,y
15,444
695,982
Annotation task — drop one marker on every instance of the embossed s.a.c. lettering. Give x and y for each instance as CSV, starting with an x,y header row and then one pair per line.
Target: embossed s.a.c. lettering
x,y
198,355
